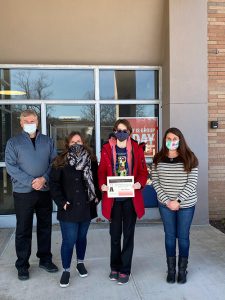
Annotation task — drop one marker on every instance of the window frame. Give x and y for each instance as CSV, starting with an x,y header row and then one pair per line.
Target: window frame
x,y
97,101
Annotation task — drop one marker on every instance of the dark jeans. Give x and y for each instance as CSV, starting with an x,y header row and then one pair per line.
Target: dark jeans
x,y
73,234
25,205
177,225
123,220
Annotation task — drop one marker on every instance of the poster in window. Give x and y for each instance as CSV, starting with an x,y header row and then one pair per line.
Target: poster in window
x,y
146,130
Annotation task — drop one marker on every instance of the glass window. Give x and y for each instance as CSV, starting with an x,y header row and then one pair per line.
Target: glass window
x,y
28,84
133,84
143,119
62,119
10,122
46,84
6,198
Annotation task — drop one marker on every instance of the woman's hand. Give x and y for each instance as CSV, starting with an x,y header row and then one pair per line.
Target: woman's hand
x,y
137,186
96,200
173,205
104,188
65,206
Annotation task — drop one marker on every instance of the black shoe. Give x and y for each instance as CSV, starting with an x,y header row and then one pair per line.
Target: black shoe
x,y
182,270
114,275
123,278
171,263
48,266
65,279
82,270
23,274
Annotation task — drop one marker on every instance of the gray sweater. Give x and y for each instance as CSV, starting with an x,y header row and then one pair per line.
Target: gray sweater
x,y
24,162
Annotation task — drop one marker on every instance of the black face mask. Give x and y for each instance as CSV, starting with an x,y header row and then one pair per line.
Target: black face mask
x,y
76,148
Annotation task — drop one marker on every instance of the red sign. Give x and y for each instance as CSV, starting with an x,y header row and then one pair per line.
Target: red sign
x,y
146,130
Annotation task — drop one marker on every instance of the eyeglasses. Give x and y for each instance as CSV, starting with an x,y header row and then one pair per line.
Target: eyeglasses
x,y
124,131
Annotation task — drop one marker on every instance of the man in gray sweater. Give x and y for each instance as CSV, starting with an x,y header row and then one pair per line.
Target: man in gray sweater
x,y
28,157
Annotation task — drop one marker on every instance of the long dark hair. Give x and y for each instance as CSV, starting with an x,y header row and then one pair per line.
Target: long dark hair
x,y
61,159
188,158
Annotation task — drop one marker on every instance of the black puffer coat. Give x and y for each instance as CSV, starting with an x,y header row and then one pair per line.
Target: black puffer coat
x,y
67,184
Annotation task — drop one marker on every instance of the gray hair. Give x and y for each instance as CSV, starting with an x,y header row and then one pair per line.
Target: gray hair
x,y
28,112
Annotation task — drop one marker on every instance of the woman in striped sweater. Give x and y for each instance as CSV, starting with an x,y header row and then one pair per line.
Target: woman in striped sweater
x,y
175,175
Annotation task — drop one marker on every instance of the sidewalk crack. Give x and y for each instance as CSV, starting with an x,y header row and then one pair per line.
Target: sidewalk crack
x,y
136,288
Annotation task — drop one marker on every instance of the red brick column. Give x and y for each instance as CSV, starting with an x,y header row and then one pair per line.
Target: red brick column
x,y
216,107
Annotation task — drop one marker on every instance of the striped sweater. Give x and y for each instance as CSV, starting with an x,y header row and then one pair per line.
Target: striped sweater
x,y
171,182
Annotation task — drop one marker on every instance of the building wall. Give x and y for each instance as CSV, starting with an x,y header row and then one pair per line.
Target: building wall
x,y
83,32
188,88
216,107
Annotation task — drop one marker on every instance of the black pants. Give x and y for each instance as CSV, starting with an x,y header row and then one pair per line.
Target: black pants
x,y
123,220
25,205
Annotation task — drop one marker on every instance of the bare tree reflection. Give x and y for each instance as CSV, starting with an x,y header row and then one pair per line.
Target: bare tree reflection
x,y
108,113
140,110
88,112
35,88
89,95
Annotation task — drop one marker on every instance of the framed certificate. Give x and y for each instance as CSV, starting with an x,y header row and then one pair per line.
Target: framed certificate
x,y
120,186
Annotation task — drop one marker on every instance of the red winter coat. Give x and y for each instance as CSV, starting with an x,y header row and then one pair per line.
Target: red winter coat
x,y
139,171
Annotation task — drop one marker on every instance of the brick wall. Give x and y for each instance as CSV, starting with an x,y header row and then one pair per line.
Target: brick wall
x,y
216,107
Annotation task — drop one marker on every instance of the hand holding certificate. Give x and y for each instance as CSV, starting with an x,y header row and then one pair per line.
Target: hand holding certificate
x,y
120,186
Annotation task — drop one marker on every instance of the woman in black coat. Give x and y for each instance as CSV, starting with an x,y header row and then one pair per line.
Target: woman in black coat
x,y
74,188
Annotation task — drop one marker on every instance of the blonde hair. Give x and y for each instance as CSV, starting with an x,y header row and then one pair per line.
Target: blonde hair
x,y
28,112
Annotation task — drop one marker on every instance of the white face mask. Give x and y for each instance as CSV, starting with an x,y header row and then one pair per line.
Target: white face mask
x,y
30,128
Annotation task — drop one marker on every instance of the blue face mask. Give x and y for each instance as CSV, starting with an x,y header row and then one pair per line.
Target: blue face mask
x,y
121,135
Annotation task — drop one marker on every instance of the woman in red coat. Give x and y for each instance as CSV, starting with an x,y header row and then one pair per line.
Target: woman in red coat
x,y
122,156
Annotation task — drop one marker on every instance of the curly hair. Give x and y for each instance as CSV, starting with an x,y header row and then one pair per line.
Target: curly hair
x,y
61,160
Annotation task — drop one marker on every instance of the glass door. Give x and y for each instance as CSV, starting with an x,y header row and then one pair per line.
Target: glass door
x,y
9,126
63,119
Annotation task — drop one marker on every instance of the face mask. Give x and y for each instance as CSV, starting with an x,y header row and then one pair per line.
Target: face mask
x,y
121,135
30,128
76,148
172,145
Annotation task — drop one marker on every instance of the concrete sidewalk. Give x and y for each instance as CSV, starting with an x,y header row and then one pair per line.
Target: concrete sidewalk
x,y
206,276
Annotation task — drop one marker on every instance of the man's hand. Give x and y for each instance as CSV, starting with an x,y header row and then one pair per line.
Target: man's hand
x,y
38,183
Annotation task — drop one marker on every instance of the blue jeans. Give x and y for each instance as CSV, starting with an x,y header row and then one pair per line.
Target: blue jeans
x,y
177,226
73,234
